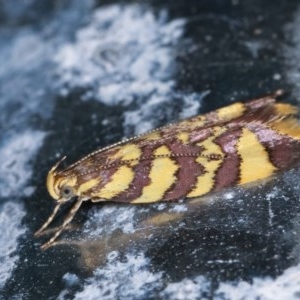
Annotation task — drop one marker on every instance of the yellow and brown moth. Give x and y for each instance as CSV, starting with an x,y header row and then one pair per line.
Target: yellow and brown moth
x,y
234,145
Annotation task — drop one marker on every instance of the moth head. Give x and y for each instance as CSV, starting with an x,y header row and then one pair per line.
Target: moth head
x,y
61,187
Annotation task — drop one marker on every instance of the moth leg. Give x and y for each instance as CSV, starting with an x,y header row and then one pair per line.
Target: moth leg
x,y
49,220
67,220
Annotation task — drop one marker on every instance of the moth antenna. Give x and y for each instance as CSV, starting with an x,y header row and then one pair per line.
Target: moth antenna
x,y
67,220
49,220
53,170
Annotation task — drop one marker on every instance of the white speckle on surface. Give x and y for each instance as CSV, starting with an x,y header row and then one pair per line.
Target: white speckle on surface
x,y
254,47
179,208
11,215
192,104
108,219
28,97
187,289
112,255
126,279
229,195
292,54
142,118
124,51
222,261
285,286
70,279
269,197
16,154
25,77
28,191
127,55
161,206
276,76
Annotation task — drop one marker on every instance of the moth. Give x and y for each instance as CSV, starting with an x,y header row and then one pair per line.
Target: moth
x,y
234,145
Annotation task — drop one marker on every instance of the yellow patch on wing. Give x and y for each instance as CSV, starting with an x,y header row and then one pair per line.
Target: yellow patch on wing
x,y
232,111
285,109
162,150
119,183
205,182
183,137
127,152
154,135
289,126
88,185
192,123
162,176
255,163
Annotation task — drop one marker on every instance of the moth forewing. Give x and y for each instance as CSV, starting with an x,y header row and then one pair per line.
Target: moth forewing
x,y
237,144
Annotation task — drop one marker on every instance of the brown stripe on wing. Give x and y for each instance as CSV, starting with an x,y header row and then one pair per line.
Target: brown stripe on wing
x,y
228,173
141,176
257,116
91,162
85,173
188,170
198,136
284,151
179,153
141,179
260,103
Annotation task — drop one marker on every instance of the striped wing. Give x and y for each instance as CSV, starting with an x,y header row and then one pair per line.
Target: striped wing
x,y
233,145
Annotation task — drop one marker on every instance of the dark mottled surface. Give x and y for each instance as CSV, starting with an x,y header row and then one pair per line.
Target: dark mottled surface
x,y
227,51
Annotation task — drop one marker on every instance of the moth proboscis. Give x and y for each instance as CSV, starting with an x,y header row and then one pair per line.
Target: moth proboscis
x,y
234,145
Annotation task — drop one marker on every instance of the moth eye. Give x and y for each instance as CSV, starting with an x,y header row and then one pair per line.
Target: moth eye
x,y
67,192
